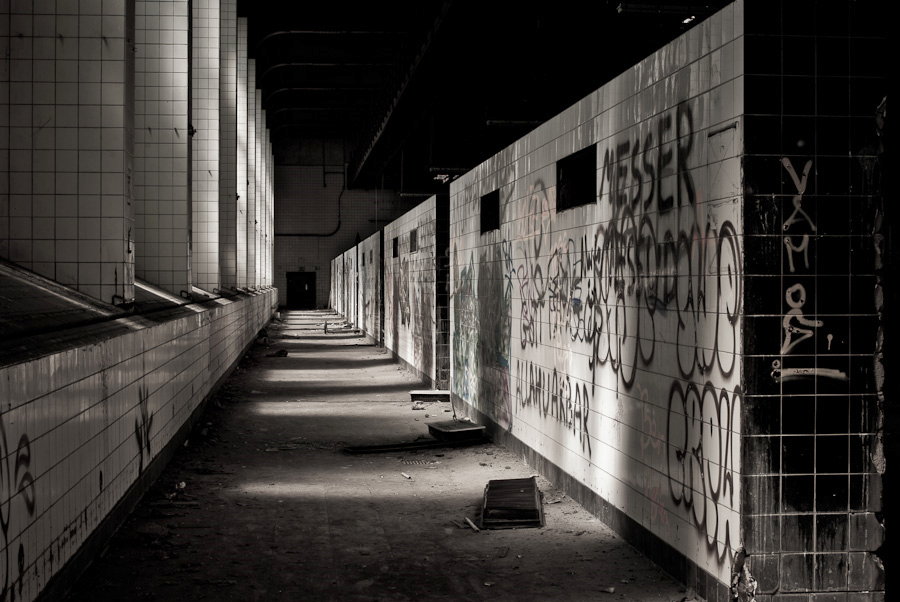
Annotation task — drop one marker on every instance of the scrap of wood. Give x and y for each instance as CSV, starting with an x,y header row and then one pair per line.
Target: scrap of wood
x,y
471,524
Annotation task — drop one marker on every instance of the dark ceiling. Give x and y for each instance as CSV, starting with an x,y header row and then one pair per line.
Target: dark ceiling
x,y
419,91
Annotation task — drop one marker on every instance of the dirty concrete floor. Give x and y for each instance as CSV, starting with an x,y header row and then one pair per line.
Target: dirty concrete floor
x,y
263,503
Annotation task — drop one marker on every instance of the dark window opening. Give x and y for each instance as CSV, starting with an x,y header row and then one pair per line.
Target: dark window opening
x,y
576,179
396,245
413,241
363,259
490,211
370,255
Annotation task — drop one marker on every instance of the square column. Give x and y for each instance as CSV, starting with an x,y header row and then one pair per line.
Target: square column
x,y
65,122
228,144
252,146
205,84
162,151
242,150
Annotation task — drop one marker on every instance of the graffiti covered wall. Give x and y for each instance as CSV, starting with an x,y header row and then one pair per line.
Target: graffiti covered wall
x,y
350,286
409,288
606,337
369,293
813,455
336,301
79,427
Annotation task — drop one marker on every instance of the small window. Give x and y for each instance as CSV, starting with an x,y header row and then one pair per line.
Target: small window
x,y
490,211
396,245
364,259
413,241
576,179
370,255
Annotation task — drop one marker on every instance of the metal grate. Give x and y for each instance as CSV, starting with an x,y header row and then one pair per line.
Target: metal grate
x,y
512,503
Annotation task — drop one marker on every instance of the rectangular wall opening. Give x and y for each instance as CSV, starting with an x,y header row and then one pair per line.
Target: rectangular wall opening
x,y
576,179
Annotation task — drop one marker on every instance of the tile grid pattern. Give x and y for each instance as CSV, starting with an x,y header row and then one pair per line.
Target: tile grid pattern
x,y
64,114
369,266
88,421
242,150
205,84
252,149
811,450
162,195
228,144
588,335
409,288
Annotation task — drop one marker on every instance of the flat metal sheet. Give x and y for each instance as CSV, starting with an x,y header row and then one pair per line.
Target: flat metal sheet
x,y
455,429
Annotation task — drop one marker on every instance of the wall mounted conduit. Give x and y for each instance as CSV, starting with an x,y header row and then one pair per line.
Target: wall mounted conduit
x,y
337,226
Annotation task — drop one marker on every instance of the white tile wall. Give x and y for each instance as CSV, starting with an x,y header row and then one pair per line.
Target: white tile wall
x,y
260,183
228,144
602,336
338,282
64,101
205,84
252,149
370,291
270,272
350,286
70,422
162,195
243,148
409,288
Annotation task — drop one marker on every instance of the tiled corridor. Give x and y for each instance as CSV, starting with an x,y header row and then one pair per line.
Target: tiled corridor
x,y
263,503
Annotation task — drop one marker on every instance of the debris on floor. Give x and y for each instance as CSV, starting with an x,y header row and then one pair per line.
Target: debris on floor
x,y
512,503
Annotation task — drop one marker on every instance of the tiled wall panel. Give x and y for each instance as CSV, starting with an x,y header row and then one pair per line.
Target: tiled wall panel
x,y
370,289
252,156
66,118
243,147
228,144
409,288
813,456
205,84
351,284
162,143
336,294
606,337
81,425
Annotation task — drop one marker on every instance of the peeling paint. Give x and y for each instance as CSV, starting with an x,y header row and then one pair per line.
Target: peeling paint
x,y
743,583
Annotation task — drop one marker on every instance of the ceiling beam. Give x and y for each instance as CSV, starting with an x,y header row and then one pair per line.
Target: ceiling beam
x,y
401,90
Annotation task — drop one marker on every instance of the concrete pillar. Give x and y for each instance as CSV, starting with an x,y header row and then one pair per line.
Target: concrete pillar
x,y
228,144
250,213
65,118
270,202
205,84
242,146
162,150
259,184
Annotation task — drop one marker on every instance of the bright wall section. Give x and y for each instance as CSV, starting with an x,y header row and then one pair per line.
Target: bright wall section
x,y
370,289
351,283
205,142
228,155
598,326
80,427
410,317
162,144
66,141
